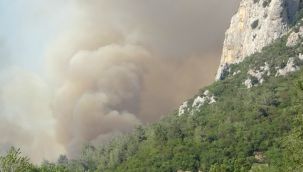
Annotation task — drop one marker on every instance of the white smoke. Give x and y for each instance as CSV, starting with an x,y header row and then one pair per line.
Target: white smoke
x,y
26,118
114,65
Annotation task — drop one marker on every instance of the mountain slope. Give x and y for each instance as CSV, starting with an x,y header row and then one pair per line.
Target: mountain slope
x,y
256,24
251,120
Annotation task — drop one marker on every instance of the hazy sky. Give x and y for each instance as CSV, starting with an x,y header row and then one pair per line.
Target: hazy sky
x,y
27,28
77,71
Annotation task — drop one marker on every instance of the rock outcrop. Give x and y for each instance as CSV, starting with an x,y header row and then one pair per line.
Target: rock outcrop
x,y
256,24
198,102
289,68
256,76
183,108
294,37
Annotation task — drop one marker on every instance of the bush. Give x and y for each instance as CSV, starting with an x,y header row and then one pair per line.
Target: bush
x,y
14,162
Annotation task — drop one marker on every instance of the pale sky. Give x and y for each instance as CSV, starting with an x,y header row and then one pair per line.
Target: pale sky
x,y
27,28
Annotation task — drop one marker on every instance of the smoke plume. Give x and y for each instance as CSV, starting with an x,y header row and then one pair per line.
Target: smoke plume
x,y
126,63
117,64
26,118
100,95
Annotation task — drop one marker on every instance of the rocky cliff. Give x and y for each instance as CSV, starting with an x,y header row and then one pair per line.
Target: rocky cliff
x,y
256,24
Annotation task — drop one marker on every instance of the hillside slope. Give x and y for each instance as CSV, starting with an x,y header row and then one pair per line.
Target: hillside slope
x,y
250,121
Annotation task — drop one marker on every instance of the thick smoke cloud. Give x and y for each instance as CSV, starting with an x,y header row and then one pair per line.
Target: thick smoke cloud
x,y
101,94
113,65
26,119
123,63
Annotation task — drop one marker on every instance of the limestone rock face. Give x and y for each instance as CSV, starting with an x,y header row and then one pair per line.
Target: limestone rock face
x,y
256,24
289,68
294,37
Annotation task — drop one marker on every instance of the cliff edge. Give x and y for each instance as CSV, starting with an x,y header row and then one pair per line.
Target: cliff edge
x,y
256,24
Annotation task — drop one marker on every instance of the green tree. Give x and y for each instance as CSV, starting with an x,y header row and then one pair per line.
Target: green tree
x,y
293,143
13,161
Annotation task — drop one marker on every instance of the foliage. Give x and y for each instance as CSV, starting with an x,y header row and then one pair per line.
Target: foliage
x,y
14,162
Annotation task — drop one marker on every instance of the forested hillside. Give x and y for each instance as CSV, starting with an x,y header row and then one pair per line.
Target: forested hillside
x,y
252,120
